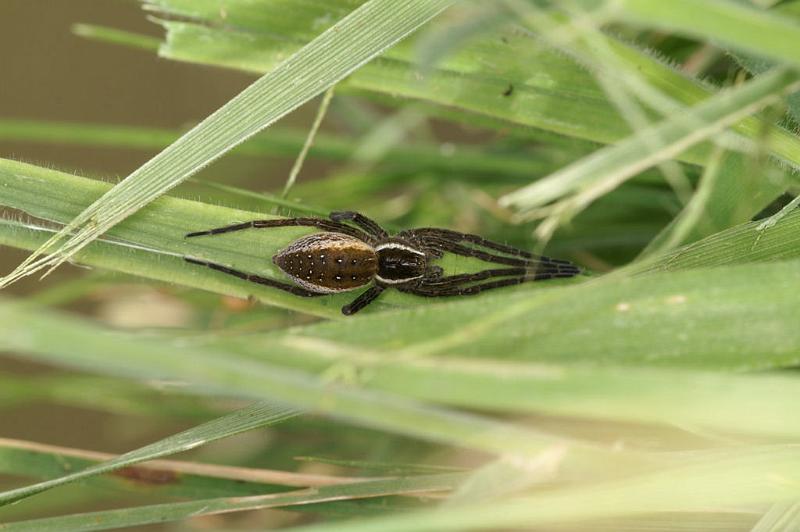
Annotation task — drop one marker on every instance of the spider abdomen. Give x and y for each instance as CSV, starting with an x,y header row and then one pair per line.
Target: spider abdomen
x,y
328,262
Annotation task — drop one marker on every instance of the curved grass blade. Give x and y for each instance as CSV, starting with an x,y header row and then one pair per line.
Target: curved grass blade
x,y
362,35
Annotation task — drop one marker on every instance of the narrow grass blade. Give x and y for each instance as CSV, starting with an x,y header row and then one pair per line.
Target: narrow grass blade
x,y
359,37
607,168
257,415
62,340
455,160
550,92
165,513
781,517
696,213
736,479
115,36
734,24
168,478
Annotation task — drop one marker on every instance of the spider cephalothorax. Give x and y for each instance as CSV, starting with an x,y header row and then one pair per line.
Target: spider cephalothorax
x,y
345,257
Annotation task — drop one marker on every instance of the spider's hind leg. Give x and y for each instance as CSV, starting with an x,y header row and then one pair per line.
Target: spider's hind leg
x,y
286,287
455,236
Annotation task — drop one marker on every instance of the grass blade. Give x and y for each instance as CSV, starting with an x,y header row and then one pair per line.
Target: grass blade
x,y
409,158
362,35
257,415
607,168
750,477
164,513
57,338
733,23
170,478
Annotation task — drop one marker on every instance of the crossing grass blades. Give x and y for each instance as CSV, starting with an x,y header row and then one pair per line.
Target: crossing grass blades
x,y
354,251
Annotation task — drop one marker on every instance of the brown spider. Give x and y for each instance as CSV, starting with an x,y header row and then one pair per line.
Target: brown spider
x,y
346,257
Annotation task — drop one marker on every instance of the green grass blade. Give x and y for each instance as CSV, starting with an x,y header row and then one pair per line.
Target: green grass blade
x,y
551,92
690,318
734,24
51,195
607,168
695,214
652,300
455,162
753,476
581,386
781,517
257,415
165,513
168,478
100,394
62,340
55,196
362,35
115,36
58,197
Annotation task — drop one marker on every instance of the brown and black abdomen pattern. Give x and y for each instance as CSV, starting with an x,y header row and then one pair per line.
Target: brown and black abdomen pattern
x,y
328,262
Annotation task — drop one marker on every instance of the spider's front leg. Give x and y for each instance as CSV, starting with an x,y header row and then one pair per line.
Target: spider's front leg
x,y
440,281
460,286
433,284
456,237
453,242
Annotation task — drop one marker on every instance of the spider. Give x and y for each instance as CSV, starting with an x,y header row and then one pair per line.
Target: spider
x,y
354,251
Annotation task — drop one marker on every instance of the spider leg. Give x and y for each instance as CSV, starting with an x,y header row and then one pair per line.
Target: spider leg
x,y
462,278
286,287
319,223
564,267
367,224
363,300
457,290
456,237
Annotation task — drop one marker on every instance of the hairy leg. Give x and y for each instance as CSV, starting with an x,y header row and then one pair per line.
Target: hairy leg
x,y
530,264
286,287
367,224
459,289
319,223
363,300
